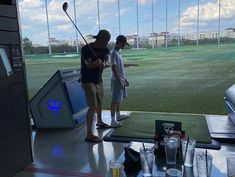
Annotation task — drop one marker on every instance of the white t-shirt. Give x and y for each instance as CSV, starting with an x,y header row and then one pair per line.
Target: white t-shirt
x,y
116,59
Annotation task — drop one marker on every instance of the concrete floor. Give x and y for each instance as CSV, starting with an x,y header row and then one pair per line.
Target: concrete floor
x,y
64,152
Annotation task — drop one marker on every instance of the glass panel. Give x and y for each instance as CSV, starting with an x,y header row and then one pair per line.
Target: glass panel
x,y
145,23
227,22
188,22
32,26
128,11
172,18
109,21
160,24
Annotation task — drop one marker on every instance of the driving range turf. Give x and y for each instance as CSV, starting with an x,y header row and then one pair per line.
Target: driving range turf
x,y
187,79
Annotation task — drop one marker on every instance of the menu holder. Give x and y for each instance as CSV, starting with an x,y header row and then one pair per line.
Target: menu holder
x,y
164,128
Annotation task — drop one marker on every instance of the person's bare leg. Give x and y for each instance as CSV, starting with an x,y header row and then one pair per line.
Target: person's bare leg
x,y
99,96
118,107
99,114
112,109
114,122
118,114
89,121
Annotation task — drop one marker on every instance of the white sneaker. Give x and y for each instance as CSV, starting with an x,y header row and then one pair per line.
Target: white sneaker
x,y
115,124
121,117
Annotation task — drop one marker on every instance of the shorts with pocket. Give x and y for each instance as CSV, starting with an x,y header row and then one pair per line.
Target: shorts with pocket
x,y
94,93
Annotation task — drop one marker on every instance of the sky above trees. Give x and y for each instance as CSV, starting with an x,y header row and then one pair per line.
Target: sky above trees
x,y
34,24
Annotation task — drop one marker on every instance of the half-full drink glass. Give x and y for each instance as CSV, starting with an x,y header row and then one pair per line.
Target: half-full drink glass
x,y
146,160
116,167
188,150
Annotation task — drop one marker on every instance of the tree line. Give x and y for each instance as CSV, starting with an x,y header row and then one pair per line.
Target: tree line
x,y
29,49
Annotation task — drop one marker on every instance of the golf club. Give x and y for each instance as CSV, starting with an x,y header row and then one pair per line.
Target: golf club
x,y
65,7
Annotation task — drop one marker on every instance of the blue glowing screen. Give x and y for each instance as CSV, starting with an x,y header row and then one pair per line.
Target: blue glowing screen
x,y
57,152
54,105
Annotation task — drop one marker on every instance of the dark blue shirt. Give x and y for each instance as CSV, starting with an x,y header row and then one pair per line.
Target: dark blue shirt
x,y
93,75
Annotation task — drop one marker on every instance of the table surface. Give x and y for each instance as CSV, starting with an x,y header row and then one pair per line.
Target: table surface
x,y
219,168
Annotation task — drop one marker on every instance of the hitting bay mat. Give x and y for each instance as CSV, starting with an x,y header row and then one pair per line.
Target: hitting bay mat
x,y
141,127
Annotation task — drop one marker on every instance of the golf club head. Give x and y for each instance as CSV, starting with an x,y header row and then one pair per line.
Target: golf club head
x,y
65,6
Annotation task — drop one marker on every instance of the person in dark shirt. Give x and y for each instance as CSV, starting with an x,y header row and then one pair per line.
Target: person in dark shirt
x,y
92,66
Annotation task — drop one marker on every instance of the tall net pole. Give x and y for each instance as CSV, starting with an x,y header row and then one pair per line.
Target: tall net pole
x,y
137,15
179,24
166,24
119,21
152,26
98,9
75,20
48,29
219,23
197,22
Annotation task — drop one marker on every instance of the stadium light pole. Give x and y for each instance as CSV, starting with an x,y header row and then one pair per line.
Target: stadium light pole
x,y
197,21
119,23
137,15
179,24
48,29
219,23
75,21
98,9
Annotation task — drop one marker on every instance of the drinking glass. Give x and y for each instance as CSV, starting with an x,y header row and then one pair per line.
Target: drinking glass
x,y
116,167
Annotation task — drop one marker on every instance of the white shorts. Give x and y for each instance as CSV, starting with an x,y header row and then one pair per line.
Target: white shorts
x,y
118,93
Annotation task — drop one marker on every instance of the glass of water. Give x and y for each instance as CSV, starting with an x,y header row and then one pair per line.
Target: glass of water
x,y
188,150
146,160
204,164
171,147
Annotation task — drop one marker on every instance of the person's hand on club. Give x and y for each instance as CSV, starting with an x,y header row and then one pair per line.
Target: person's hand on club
x,y
103,65
107,61
100,64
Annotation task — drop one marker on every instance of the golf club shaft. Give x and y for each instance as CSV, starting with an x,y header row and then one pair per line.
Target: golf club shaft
x,y
81,35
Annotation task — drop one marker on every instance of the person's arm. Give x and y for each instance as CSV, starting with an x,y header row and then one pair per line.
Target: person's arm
x,y
94,64
86,57
107,60
115,69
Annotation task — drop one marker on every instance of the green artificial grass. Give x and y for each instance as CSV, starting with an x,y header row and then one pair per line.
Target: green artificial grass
x,y
142,126
176,79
